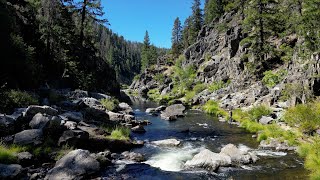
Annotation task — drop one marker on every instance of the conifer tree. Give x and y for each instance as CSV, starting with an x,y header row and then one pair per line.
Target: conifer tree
x,y
213,9
145,53
176,38
197,21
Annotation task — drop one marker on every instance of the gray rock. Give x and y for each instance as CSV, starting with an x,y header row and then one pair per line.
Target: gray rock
x,y
173,112
132,156
151,110
73,137
208,160
39,121
32,110
160,108
28,137
125,108
71,125
78,94
25,158
318,131
99,96
277,145
266,120
77,164
92,103
7,125
12,171
166,142
115,116
138,129
238,156
72,116
104,158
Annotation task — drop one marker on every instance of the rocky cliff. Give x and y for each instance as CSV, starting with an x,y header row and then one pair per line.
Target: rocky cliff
x,y
220,56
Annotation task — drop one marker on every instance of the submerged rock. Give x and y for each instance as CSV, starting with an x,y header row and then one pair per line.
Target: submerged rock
x,y
167,142
77,164
173,112
138,129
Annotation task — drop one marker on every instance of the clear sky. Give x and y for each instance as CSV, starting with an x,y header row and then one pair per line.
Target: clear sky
x,y
131,18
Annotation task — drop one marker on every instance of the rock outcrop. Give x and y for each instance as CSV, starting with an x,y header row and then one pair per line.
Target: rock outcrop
x,y
173,112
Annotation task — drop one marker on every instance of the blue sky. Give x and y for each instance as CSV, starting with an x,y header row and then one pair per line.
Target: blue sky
x,y
131,18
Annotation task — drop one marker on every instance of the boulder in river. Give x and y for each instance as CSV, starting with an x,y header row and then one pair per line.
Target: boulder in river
x,y
132,156
208,160
167,142
173,112
138,129
238,156
125,108
77,164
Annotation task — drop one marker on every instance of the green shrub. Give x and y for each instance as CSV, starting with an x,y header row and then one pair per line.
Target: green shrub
x,y
14,99
199,88
306,116
154,94
160,78
271,79
310,151
257,112
189,95
217,85
110,104
212,107
8,153
120,133
295,90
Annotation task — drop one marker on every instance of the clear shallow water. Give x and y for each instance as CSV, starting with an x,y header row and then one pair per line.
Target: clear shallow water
x,y
203,132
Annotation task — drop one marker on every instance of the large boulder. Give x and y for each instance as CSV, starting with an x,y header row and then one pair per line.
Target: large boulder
x,y
266,120
7,125
40,121
173,112
32,110
25,158
167,142
115,116
72,116
238,156
12,171
77,94
132,156
208,160
77,164
138,129
28,137
73,137
125,108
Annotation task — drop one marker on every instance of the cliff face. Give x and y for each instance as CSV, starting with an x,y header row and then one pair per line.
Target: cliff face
x,y
218,56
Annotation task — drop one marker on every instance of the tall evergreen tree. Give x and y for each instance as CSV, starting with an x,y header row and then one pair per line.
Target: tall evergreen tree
x,y
176,38
186,32
213,9
145,53
197,21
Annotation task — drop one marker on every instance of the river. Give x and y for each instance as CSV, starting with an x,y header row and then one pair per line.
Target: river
x,y
197,131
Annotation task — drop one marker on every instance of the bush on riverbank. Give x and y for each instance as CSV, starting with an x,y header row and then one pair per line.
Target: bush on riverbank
x,y
110,104
311,153
212,107
120,133
305,116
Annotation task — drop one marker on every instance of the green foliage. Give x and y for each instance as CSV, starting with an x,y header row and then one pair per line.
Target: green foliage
x,y
271,79
217,85
176,38
295,90
65,149
310,151
110,104
160,78
198,88
212,107
223,27
189,95
306,116
257,112
14,99
154,94
120,133
213,9
8,154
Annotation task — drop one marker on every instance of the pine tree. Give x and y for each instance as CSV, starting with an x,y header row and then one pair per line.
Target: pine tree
x,y
213,9
176,38
186,32
260,23
145,53
197,21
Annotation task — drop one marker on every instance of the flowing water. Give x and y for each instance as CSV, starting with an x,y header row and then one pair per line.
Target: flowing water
x,y
197,131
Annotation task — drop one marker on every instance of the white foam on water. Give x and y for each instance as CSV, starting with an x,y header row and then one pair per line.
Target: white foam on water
x,y
269,153
173,159
243,148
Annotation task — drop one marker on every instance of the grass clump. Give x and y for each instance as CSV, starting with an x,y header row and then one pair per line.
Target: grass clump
x,y
120,133
271,79
215,86
110,104
212,107
8,153
311,153
154,94
199,88
257,112
305,116
65,149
